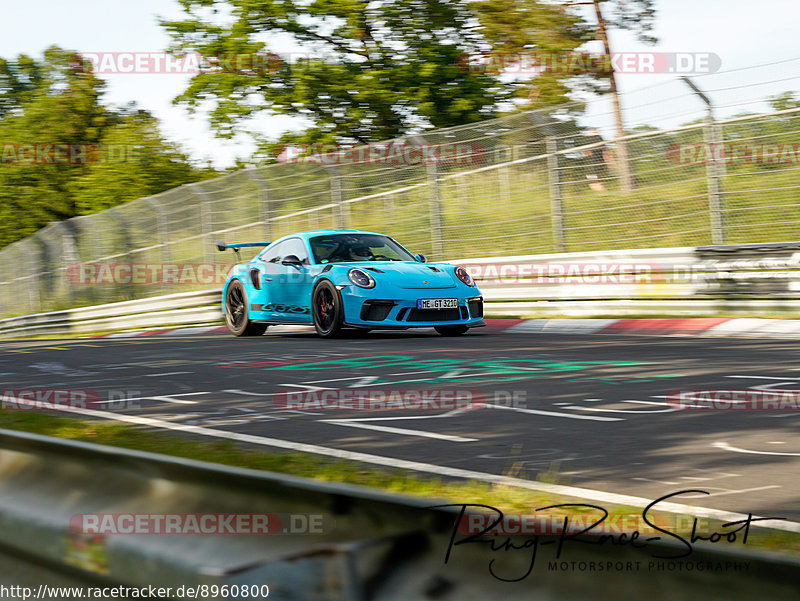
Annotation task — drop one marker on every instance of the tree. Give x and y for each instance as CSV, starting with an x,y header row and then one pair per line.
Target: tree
x,y
559,28
633,15
56,139
369,71
538,30
133,161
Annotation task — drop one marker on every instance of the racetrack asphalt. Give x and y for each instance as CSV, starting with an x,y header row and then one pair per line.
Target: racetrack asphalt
x,y
587,411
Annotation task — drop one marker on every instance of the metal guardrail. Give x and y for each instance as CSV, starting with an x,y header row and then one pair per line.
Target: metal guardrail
x,y
372,546
751,279
182,309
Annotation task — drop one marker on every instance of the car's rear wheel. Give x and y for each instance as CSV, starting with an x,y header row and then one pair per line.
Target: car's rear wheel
x,y
328,313
451,330
236,312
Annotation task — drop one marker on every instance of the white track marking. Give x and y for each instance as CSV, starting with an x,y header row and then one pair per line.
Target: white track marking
x,y
595,418
362,378
411,373
244,392
169,399
452,472
667,482
172,373
307,387
400,417
402,431
765,377
648,403
166,398
639,411
726,447
725,491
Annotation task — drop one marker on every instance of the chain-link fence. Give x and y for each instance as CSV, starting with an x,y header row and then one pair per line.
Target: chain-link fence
x,y
527,183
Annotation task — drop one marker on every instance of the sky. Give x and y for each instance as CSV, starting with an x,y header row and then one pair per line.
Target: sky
x,y
755,42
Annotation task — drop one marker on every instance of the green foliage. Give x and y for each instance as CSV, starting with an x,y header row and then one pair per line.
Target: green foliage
x,y
368,72
539,29
112,155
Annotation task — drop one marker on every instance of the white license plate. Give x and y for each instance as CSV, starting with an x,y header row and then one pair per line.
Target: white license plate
x,y
437,303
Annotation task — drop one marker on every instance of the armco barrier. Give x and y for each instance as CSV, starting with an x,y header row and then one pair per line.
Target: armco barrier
x,y
371,546
751,279
185,308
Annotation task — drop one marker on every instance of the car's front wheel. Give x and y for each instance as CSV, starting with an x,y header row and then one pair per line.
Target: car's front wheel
x,y
451,330
328,313
236,312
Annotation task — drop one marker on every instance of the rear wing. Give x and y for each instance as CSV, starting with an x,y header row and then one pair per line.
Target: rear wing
x,y
235,246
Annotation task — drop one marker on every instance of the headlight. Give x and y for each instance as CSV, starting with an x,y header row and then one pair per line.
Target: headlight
x,y
361,278
462,275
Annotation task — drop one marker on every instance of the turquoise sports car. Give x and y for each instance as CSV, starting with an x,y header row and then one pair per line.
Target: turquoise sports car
x,y
338,279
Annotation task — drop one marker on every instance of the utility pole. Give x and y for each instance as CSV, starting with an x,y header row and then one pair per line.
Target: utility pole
x,y
626,177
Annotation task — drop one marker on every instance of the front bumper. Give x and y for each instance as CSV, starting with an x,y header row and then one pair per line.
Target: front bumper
x,y
403,313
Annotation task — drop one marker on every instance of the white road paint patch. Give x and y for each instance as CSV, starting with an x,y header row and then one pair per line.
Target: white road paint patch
x,y
401,431
558,489
726,447
171,373
639,411
724,491
648,403
764,377
595,418
452,413
168,399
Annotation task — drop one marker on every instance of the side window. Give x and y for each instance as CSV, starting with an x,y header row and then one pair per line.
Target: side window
x,y
274,253
296,247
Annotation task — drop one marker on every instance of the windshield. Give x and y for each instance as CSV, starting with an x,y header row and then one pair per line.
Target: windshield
x,y
351,248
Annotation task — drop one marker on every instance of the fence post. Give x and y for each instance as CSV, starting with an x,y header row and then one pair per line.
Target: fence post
x,y
163,235
340,218
714,168
264,207
69,255
435,209
206,222
556,202
715,171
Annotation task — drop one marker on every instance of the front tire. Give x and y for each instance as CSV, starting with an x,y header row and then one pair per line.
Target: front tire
x,y
327,310
236,316
451,330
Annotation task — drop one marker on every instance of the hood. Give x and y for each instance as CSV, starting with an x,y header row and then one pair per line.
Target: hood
x,y
406,274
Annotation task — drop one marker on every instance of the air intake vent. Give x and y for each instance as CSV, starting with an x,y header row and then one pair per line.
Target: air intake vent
x,y
376,310
255,278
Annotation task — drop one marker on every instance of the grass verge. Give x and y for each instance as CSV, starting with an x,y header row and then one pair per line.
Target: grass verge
x,y
507,498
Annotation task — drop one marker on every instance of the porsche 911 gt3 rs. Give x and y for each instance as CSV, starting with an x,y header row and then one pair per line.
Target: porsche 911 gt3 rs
x,y
338,279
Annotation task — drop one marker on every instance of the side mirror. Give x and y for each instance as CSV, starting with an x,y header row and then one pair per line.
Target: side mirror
x,y
421,258
292,261
221,245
